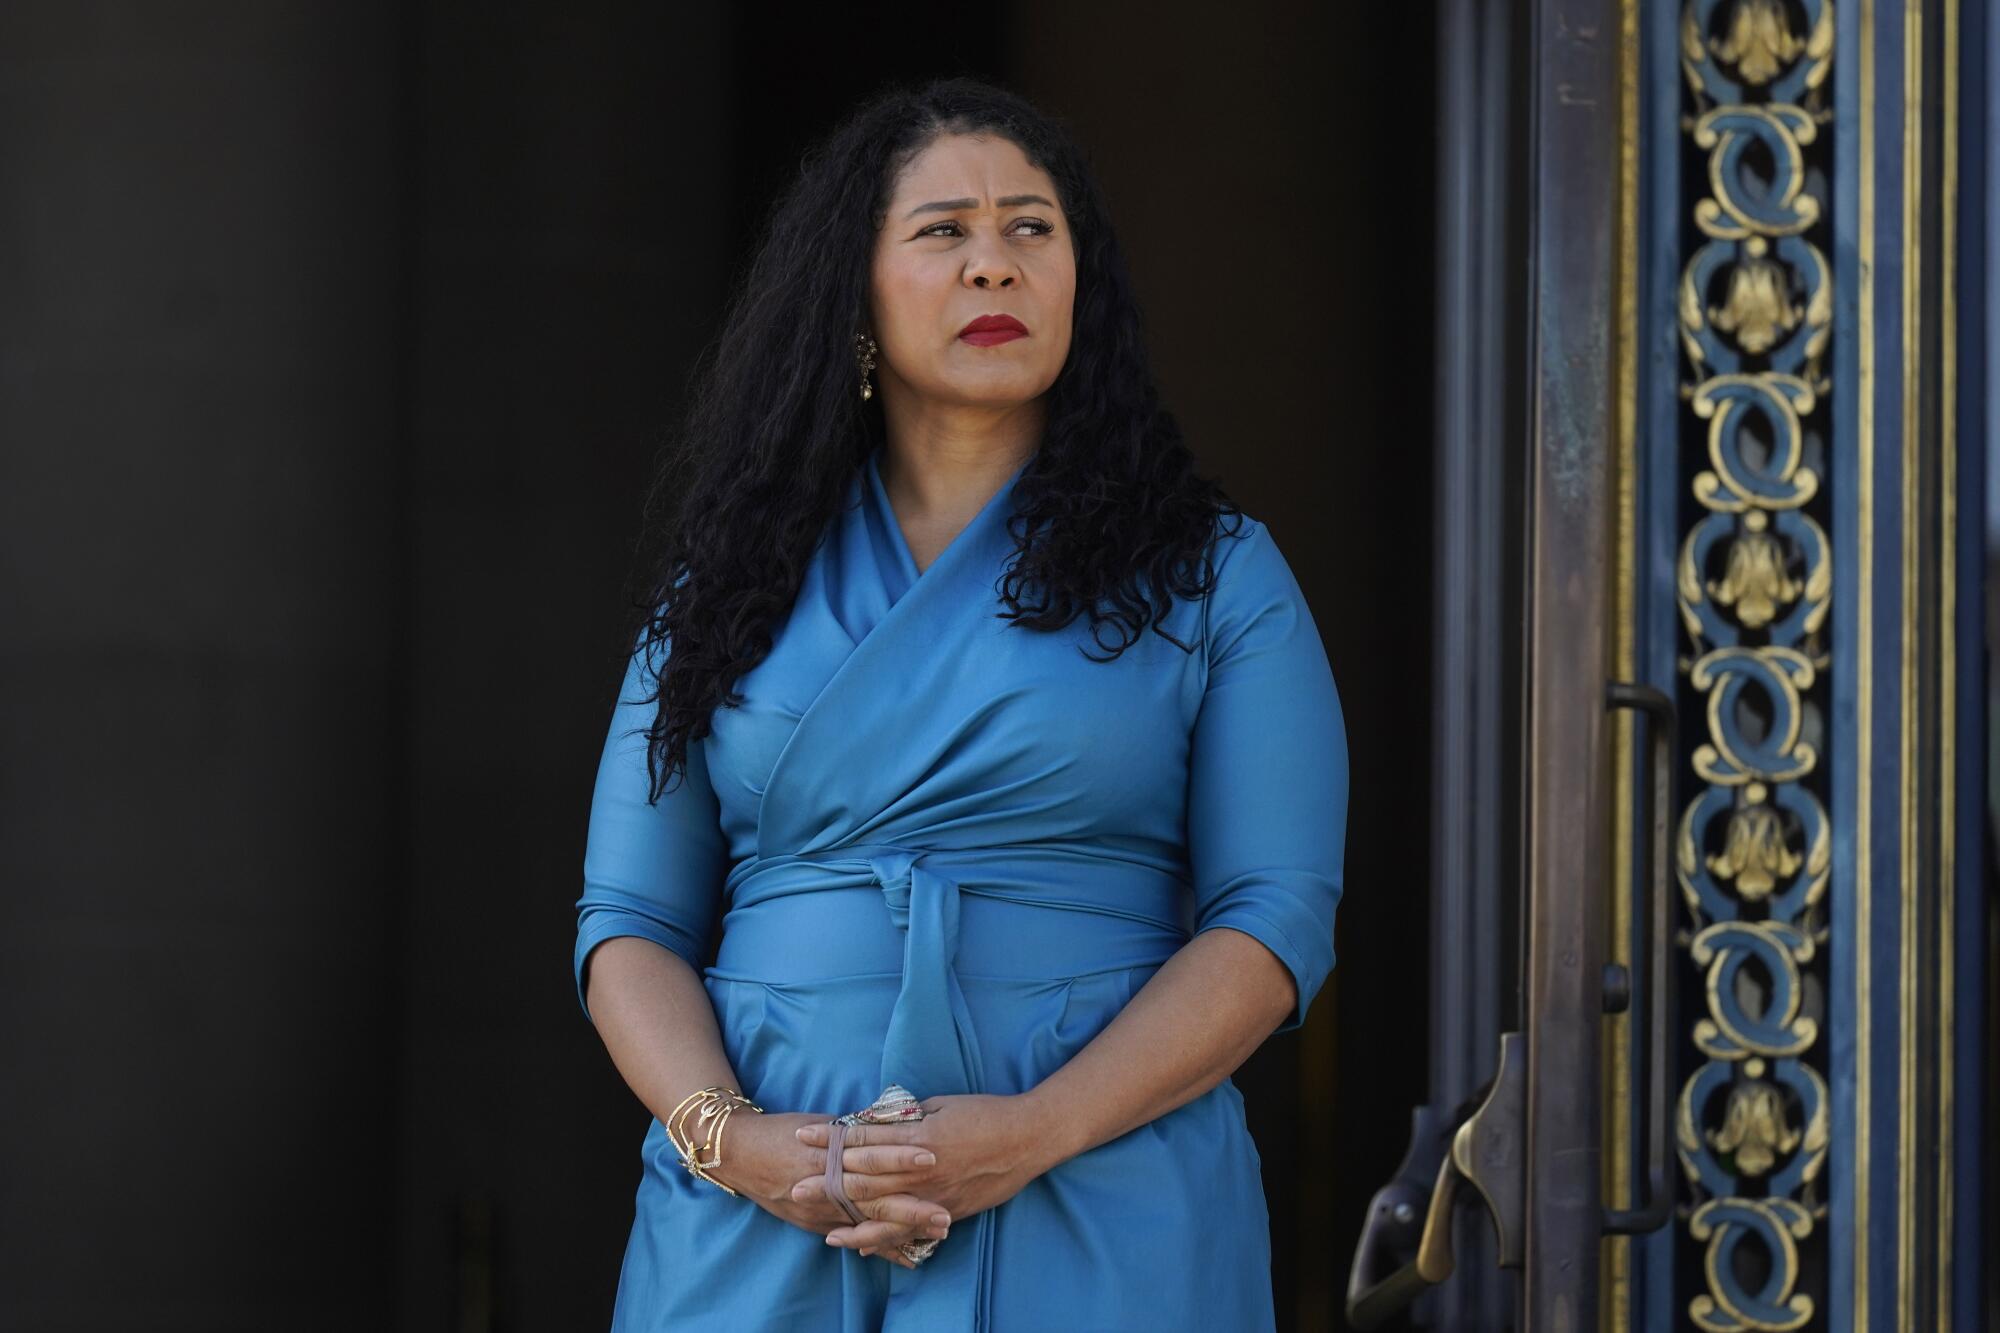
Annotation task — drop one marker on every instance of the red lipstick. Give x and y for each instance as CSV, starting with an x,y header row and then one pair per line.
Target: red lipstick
x,y
989,330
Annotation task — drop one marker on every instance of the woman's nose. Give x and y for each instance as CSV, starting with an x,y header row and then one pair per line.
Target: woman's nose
x,y
989,265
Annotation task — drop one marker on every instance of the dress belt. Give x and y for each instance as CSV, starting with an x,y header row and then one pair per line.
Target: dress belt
x,y
932,1050
931,1047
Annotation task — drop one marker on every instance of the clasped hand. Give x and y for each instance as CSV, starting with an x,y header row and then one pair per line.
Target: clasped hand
x,y
969,1153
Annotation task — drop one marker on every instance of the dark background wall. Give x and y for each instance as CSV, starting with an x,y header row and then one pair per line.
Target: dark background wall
x,y
204,564
335,344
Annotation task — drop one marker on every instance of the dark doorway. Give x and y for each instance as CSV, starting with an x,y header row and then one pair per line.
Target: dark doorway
x,y
340,340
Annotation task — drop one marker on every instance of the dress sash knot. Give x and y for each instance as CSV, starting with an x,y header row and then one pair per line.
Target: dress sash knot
x,y
932,1049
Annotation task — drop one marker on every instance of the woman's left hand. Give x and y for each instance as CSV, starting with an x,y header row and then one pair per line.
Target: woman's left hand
x,y
988,1148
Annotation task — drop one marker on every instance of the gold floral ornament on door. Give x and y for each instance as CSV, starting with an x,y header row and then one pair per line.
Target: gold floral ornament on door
x,y
1754,586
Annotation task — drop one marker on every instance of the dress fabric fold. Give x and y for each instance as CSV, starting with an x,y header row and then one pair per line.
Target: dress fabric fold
x,y
935,849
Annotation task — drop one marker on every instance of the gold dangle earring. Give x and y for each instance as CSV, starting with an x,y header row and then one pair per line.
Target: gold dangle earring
x,y
864,356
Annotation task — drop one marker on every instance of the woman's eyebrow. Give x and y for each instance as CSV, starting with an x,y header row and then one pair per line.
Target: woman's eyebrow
x,y
1005,201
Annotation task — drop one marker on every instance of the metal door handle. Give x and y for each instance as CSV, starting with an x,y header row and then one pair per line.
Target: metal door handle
x,y
1486,1152
1656,1208
1394,1216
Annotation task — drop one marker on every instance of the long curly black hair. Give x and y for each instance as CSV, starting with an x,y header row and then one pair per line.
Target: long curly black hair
x,y
1111,519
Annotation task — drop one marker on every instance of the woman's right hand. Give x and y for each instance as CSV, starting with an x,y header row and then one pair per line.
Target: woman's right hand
x,y
762,1159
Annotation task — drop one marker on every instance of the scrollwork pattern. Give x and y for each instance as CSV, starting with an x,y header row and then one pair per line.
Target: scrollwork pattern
x,y
1754,586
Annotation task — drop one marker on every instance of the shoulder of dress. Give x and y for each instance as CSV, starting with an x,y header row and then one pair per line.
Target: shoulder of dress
x,y
1238,540
1234,532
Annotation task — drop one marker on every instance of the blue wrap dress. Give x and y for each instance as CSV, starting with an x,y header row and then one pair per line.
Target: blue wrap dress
x,y
945,851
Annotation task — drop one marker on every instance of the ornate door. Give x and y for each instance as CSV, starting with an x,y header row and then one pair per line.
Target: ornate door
x,y
1709,872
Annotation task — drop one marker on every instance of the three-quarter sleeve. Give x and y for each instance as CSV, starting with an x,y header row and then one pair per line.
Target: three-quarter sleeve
x,y
650,870
1267,781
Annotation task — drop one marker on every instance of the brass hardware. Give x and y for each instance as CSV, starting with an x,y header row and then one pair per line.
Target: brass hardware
x,y
1657,1209
1617,988
1402,1214
1488,1152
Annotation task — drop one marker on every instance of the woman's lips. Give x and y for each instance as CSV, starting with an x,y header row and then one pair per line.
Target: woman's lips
x,y
988,330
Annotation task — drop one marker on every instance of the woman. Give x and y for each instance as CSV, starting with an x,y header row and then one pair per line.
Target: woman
x,y
1004,752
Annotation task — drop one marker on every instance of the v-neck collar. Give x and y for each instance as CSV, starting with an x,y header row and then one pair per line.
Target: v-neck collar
x,y
894,633
887,531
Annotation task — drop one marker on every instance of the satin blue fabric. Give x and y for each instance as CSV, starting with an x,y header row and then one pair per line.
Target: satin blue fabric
x,y
945,852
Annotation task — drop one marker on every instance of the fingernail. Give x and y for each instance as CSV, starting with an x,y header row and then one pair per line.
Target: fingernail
x,y
800,1133
940,1219
831,1241
798,1191
926,1158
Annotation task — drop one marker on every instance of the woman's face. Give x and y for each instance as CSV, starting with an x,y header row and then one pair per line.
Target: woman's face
x,y
972,229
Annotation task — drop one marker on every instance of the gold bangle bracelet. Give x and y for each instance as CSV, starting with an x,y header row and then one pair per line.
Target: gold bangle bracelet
x,y
711,1108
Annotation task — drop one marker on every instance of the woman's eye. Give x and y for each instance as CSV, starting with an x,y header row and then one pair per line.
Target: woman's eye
x,y
1040,228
